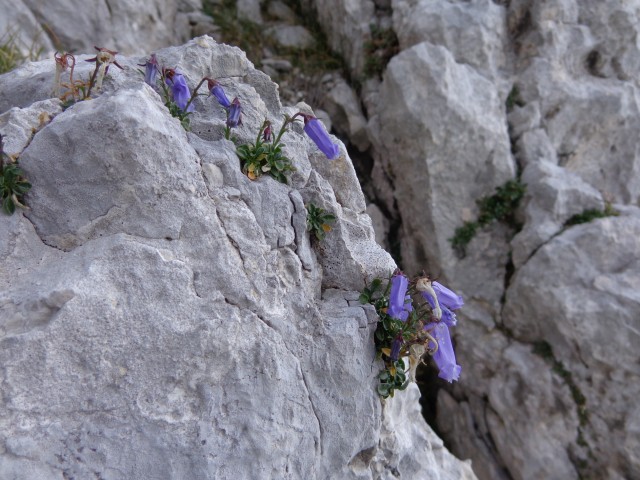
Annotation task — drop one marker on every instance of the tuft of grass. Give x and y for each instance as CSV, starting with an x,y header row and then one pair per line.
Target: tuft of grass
x,y
11,53
500,206
592,214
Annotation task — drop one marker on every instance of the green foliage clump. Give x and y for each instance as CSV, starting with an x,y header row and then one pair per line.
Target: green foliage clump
x,y
409,326
379,50
394,375
318,221
592,214
462,236
500,206
514,99
177,112
265,157
13,185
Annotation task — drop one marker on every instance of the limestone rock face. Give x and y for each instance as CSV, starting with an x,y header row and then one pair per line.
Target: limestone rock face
x,y
483,91
435,140
130,26
162,316
347,24
474,32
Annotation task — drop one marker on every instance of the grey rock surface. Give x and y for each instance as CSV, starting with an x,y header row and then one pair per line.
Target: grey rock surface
x,y
347,24
291,36
343,106
434,140
162,316
130,26
474,32
480,92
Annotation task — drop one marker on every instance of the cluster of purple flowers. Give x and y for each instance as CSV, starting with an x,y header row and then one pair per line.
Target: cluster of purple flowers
x,y
183,98
443,302
233,108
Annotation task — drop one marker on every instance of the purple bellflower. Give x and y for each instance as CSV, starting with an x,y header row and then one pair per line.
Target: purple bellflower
x,y
234,115
447,301
316,131
399,301
150,70
446,297
179,89
444,357
448,316
395,347
217,91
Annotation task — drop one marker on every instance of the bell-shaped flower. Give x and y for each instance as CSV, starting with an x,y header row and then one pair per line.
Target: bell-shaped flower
x,y
399,301
316,131
442,300
446,297
179,90
444,357
151,71
217,91
396,345
234,115
447,316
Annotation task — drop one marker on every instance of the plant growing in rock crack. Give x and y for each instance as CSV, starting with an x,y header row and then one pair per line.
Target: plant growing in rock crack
x,y
592,214
414,320
514,99
318,221
265,156
78,90
179,100
13,185
500,206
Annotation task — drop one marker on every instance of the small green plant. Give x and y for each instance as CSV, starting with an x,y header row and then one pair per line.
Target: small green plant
x,y
412,327
500,206
462,236
379,49
264,156
318,221
514,99
592,214
12,56
13,185
178,113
